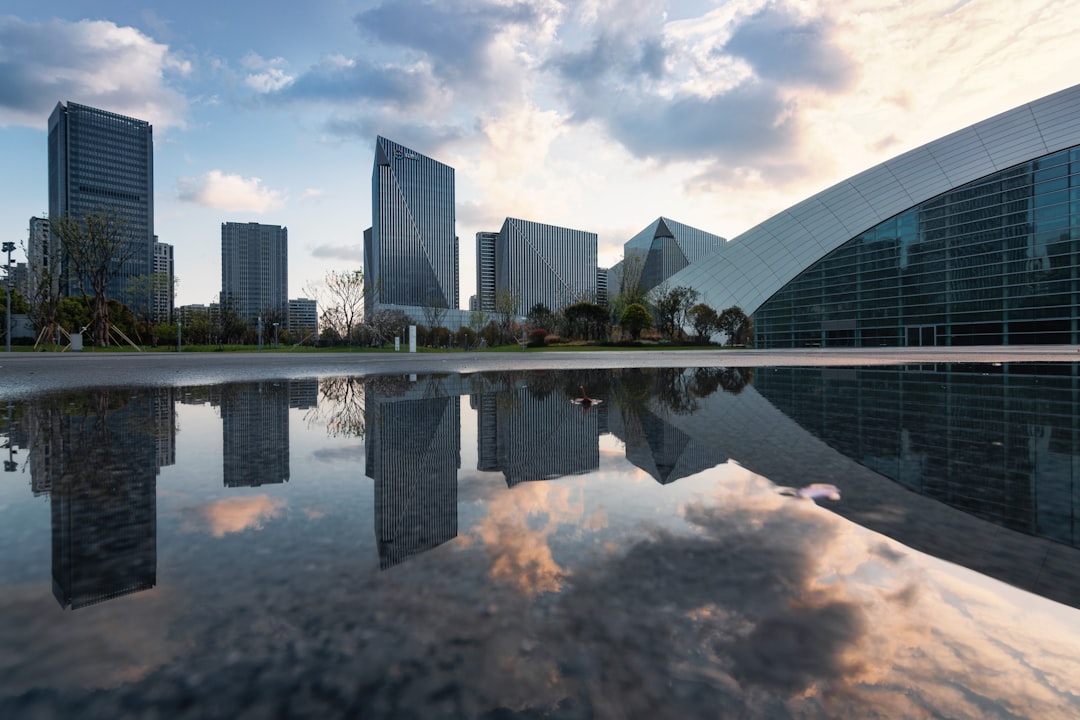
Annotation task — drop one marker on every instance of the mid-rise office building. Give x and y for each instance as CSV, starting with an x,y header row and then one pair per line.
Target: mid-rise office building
x,y
303,319
163,286
411,248
255,270
101,161
542,263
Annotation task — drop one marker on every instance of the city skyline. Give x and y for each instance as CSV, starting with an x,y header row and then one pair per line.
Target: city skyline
x,y
719,114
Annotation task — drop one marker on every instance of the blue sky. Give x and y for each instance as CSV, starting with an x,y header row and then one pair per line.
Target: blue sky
x,y
596,115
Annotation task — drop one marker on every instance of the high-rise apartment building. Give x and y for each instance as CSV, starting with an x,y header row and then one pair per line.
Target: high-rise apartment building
x,y
163,288
255,270
411,249
545,264
42,257
99,160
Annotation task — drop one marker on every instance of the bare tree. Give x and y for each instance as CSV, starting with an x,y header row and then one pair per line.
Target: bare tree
x,y
95,247
507,311
341,297
385,324
43,301
434,311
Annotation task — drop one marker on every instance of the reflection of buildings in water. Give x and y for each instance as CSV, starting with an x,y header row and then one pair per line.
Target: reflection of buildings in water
x,y
165,425
533,437
255,433
97,456
1003,447
413,452
668,445
304,394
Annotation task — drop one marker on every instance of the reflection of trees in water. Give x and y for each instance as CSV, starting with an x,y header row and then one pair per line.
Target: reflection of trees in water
x,y
704,381
341,406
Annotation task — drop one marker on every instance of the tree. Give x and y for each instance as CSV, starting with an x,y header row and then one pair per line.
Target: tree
x,y
671,308
703,319
434,310
635,318
586,320
145,289
385,324
507,303
341,297
630,289
540,316
95,247
734,323
44,295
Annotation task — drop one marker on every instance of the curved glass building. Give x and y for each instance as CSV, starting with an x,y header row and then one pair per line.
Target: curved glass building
x,y
971,239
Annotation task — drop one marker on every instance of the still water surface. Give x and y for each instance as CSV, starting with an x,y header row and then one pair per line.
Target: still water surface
x,y
483,546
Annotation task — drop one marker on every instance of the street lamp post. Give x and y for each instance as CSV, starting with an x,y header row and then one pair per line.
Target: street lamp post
x,y
8,247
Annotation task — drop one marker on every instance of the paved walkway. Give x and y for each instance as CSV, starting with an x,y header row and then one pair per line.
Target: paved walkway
x,y
24,373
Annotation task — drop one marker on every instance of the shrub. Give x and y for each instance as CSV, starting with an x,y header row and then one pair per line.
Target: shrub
x,y
537,337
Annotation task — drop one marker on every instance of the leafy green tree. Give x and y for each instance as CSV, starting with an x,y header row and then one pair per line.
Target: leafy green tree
x,y
630,289
586,320
734,323
703,319
635,318
671,308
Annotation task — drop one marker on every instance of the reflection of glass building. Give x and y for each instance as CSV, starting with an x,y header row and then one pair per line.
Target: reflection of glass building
x,y
971,239
532,437
545,264
255,433
411,249
661,434
412,452
1003,447
101,160
97,458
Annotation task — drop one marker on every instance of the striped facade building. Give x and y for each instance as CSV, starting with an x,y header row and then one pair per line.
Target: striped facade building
x,y
545,264
531,437
412,452
411,248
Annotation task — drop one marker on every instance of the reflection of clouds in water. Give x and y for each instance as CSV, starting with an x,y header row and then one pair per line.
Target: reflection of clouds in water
x,y
99,646
518,527
339,454
233,514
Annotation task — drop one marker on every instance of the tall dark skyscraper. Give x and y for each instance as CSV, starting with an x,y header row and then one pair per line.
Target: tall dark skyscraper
x,y
255,270
411,249
99,160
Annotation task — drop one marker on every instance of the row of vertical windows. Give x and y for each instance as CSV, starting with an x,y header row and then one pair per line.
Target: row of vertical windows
x,y
997,260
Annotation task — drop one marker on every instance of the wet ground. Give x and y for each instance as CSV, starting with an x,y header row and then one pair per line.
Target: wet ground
x,y
25,373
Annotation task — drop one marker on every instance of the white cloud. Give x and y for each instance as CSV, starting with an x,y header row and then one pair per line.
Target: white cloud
x,y
268,74
92,62
234,193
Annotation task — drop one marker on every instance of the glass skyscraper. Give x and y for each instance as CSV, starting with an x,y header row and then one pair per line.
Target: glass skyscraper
x,y
99,160
411,249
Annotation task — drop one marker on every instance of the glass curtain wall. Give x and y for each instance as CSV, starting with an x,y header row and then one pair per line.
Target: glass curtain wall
x,y
992,262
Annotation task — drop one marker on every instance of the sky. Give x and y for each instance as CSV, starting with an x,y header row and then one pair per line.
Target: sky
x,y
598,115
